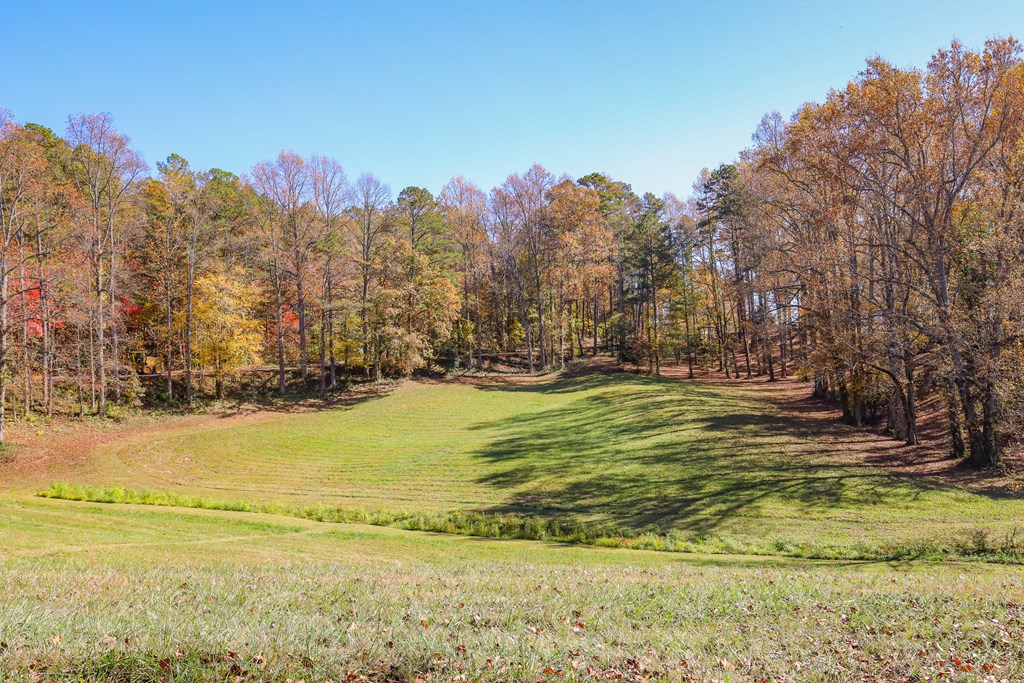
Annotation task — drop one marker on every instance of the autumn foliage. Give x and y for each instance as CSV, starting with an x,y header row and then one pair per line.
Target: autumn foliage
x,y
870,243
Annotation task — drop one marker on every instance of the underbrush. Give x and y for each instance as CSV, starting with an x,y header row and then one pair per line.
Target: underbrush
x,y
979,545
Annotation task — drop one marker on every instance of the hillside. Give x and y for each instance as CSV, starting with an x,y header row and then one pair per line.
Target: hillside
x,y
663,463
143,592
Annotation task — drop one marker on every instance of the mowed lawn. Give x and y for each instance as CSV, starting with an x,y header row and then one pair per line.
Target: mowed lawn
x,y
99,592
144,593
716,467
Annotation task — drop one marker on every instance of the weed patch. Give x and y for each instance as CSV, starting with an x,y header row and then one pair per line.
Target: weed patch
x,y
977,546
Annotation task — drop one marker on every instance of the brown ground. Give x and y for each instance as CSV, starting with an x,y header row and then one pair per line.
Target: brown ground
x,y
930,459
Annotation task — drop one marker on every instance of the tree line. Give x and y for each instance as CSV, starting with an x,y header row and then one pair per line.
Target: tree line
x,y
887,220
870,243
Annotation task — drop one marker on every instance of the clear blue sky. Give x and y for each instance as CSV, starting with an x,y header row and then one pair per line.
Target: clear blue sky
x,y
650,92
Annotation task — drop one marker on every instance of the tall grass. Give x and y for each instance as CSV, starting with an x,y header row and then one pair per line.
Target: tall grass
x,y
979,545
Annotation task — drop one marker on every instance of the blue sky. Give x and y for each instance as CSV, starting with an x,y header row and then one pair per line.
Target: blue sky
x,y
650,92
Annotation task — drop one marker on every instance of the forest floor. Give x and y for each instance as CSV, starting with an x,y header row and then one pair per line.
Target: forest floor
x,y
930,458
753,479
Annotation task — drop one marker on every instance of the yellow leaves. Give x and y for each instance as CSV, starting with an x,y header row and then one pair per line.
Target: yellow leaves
x,y
157,198
225,335
410,306
582,243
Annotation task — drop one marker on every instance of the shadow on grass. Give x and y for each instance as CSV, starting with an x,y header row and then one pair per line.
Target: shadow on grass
x,y
309,402
658,455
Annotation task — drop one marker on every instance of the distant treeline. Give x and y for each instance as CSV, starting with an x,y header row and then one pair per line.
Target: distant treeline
x,y
872,243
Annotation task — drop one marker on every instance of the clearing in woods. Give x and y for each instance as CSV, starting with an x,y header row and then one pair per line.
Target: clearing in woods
x,y
712,466
142,592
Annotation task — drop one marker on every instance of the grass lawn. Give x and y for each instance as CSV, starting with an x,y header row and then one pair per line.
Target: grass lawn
x,y
128,592
142,593
704,467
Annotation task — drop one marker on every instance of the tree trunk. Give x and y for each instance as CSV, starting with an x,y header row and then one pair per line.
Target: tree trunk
x,y
280,337
323,353
169,346
910,401
3,346
44,313
115,338
303,351
101,343
189,287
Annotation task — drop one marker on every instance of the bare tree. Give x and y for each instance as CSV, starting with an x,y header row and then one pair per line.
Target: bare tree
x,y
106,168
331,195
371,199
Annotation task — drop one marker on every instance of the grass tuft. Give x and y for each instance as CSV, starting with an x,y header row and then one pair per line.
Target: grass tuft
x,y
978,545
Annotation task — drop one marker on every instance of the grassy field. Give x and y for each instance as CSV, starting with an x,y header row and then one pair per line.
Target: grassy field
x,y
680,465
139,593
131,592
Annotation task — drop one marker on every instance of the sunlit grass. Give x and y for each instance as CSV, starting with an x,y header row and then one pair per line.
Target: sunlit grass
x,y
230,553
146,593
620,459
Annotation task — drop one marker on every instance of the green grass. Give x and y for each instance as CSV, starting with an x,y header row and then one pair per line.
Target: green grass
x,y
297,546
144,593
976,546
621,459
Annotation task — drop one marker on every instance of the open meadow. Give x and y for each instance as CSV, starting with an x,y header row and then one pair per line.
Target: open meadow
x,y
274,585
544,342
603,457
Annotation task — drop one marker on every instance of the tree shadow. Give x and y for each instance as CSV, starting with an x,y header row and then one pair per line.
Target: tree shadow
x,y
670,455
336,399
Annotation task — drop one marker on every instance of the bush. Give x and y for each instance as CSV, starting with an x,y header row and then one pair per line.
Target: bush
x,y
447,358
